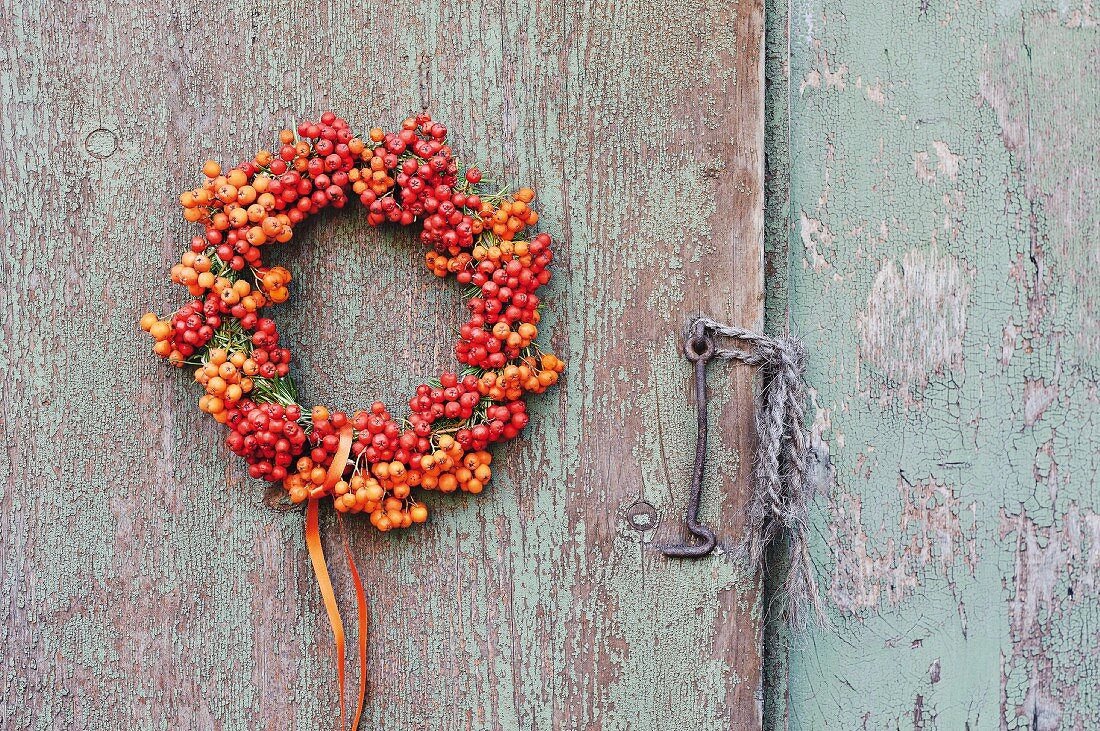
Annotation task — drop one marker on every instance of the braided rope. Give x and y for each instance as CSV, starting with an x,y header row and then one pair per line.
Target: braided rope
x,y
784,487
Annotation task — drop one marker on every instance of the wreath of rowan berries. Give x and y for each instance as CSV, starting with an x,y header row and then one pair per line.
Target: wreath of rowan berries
x,y
482,238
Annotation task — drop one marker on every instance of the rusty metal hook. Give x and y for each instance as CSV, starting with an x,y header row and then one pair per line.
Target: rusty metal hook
x,y
699,349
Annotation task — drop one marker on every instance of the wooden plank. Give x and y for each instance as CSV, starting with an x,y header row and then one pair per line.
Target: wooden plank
x,y
777,279
145,586
945,267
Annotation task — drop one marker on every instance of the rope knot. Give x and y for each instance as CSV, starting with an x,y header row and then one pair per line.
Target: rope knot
x,y
783,489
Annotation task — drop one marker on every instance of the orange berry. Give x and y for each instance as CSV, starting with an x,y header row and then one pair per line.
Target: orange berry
x,y
246,195
227,193
160,330
256,236
271,225
236,177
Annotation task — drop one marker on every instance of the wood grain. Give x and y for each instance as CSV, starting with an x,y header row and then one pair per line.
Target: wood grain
x,y
944,275
144,585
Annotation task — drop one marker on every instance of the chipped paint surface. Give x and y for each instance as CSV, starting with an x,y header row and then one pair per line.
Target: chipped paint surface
x,y
933,536
913,324
944,272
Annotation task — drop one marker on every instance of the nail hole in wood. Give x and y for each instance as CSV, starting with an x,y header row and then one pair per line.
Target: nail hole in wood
x,y
641,516
101,143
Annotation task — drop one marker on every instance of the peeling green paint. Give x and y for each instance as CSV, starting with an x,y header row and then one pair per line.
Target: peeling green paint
x,y
943,272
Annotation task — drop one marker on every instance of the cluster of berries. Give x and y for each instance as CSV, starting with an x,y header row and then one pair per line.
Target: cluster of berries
x,y
406,176
418,163
379,438
529,375
274,283
452,399
189,328
223,378
504,312
267,435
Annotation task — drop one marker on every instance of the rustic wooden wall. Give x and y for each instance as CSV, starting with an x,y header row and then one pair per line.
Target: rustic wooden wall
x,y
945,272
143,584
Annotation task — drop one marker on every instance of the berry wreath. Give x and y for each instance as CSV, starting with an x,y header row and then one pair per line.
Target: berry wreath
x,y
482,239
367,462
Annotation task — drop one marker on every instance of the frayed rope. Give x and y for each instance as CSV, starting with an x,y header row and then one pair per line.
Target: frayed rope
x,y
784,484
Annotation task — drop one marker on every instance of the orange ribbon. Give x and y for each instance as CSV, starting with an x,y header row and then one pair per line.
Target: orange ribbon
x,y
320,569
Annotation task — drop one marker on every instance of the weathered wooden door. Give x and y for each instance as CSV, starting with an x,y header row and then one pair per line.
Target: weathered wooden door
x,y
145,586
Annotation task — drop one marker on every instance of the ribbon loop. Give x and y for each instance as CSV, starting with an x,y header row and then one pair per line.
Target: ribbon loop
x,y
324,581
